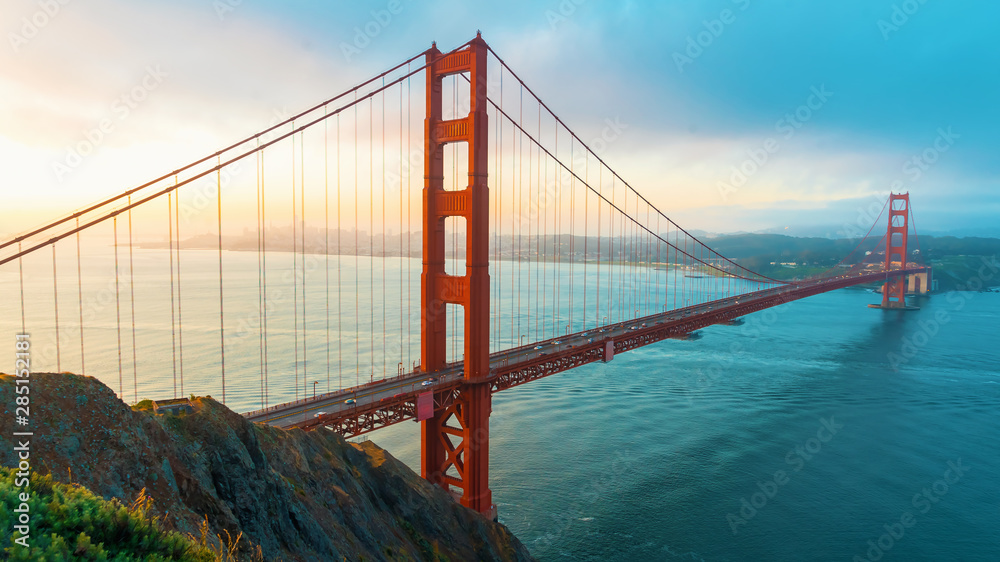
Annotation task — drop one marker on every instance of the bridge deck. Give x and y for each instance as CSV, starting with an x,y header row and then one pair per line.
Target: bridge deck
x,y
389,401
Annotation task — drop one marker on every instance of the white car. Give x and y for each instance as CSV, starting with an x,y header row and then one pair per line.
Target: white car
x,y
318,414
428,382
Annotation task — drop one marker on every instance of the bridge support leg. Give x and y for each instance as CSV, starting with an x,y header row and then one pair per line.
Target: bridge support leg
x,y
477,447
456,448
455,441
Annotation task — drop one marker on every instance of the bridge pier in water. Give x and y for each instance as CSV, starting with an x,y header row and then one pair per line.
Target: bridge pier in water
x,y
455,440
919,283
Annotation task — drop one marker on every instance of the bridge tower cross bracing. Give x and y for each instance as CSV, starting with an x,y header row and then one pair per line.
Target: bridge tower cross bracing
x,y
894,290
455,441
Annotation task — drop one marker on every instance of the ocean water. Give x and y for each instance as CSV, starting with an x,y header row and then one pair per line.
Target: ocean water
x,y
819,430
646,458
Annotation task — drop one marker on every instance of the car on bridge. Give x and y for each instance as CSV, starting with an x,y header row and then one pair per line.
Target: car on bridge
x,y
350,401
539,346
428,382
318,414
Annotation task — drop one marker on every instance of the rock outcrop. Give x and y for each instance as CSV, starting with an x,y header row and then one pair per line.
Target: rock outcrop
x,y
296,495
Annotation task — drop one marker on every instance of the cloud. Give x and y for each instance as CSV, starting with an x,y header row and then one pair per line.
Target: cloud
x,y
219,81
227,77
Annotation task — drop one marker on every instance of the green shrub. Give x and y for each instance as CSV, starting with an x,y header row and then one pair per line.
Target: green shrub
x,y
68,522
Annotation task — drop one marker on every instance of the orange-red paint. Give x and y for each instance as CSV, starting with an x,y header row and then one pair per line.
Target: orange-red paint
x,y
455,442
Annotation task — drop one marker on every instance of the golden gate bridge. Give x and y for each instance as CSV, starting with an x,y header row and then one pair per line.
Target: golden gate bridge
x,y
565,263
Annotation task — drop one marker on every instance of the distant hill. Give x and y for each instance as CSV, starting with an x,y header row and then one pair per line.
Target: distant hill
x,y
956,260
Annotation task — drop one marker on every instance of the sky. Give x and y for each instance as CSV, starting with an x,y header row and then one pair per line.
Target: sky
x,y
735,115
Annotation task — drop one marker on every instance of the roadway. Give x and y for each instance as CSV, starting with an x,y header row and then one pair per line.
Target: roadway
x,y
345,402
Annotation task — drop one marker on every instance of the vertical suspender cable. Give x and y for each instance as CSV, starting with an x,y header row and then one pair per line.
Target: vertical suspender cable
x,y
684,281
371,222
409,268
263,276
650,295
657,307
131,285
496,231
326,233
55,302
260,284
500,214
557,249
302,261
382,175
676,231
513,232
621,277
173,326
539,240
628,270
79,289
118,311
526,216
499,183
295,271
20,273
541,234
586,226
652,251
644,269
180,310
340,263
572,221
402,263
520,212
222,318
357,260
632,261
636,277
597,293
611,254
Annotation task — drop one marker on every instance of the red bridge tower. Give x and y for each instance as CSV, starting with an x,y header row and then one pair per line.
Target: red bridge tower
x,y
455,442
894,290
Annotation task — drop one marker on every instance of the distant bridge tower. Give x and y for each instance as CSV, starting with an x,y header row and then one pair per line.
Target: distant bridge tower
x,y
455,441
894,290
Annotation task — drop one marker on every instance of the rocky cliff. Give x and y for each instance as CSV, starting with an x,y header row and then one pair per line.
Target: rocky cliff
x,y
296,495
